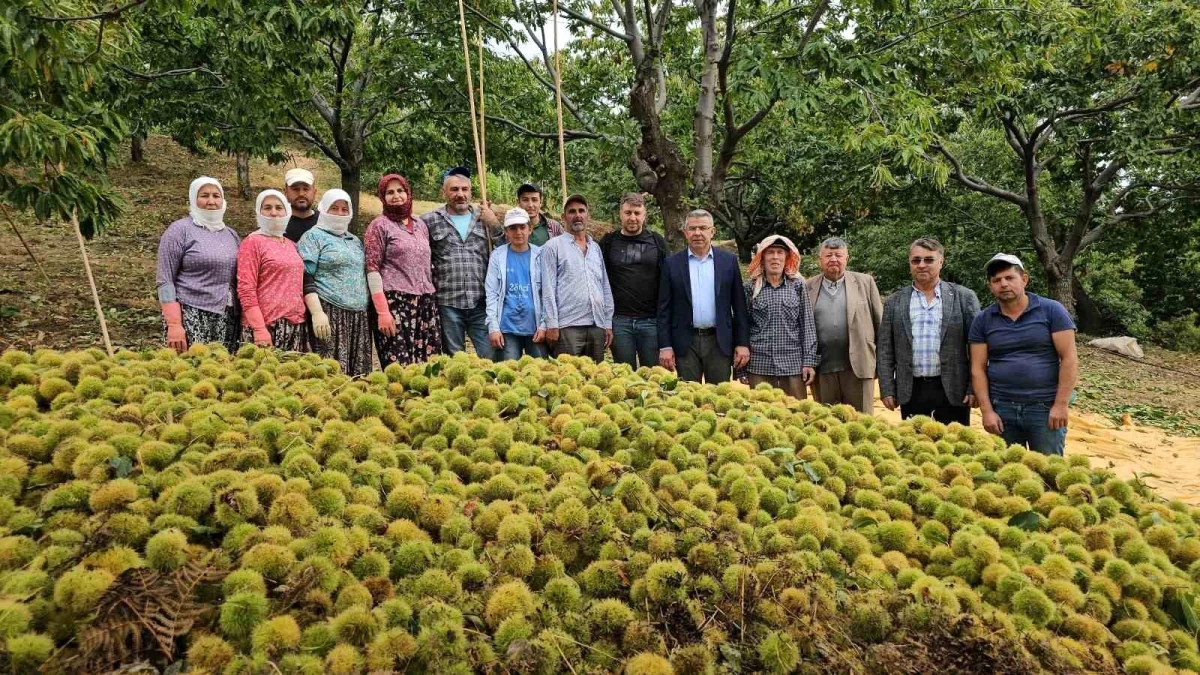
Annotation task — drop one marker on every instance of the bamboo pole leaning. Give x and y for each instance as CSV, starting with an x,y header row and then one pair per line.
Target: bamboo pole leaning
x,y
482,128
87,267
13,224
562,149
462,25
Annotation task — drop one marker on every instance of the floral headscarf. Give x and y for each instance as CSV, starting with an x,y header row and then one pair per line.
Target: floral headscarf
x,y
791,264
398,214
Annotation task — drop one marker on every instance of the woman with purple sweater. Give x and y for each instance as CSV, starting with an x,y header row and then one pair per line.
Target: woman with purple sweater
x,y
197,262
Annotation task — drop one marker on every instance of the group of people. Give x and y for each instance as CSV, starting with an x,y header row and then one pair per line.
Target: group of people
x,y
524,283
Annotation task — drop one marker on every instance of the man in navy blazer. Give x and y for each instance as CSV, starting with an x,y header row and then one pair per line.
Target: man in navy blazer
x,y
702,325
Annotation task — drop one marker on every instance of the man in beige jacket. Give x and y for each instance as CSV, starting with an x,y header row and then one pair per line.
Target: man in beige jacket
x,y
848,310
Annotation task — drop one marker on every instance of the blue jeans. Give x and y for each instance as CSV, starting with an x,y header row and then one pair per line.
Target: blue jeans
x,y
457,324
1027,424
635,341
516,345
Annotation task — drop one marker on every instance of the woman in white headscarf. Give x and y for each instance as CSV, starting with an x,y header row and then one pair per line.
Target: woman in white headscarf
x,y
197,258
783,334
270,280
335,286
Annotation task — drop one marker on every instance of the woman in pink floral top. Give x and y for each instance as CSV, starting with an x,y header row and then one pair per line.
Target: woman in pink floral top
x,y
400,279
270,280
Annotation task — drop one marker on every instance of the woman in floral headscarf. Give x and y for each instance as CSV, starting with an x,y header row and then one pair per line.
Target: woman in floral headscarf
x,y
400,279
783,334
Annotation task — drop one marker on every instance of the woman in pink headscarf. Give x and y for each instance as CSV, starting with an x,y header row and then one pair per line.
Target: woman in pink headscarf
x,y
783,334
407,327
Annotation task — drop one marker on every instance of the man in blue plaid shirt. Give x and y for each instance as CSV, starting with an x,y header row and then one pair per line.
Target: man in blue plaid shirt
x,y
461,239
922,352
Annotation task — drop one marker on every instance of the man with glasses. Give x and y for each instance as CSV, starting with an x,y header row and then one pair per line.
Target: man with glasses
x,y
702,324
922,350
847,309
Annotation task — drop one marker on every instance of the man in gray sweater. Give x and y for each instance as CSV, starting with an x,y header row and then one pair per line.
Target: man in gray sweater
x,y
847,310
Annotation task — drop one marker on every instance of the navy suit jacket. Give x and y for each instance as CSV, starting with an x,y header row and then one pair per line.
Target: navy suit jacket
x,y
675,304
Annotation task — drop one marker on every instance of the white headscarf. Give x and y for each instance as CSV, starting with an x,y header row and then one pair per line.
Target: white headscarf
x,y
274,227
329,222
209,219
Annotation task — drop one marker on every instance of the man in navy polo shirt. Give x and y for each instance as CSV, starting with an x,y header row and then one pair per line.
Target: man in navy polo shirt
x,y
1023,361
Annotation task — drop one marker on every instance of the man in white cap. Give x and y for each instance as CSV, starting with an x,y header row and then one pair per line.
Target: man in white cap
x,y
1023,361
513,288
921,350
301,191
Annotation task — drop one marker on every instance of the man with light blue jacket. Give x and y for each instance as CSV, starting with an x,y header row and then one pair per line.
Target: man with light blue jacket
x,y
515,322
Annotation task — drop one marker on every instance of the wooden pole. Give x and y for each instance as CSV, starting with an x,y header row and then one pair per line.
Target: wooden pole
x,y
482,127
462,25
87,267
28,250
562,149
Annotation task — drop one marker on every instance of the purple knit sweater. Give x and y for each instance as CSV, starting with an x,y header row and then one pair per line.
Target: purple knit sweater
x,y
196,266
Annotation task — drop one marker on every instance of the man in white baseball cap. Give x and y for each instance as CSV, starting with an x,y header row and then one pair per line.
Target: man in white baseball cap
x,y
301,190
512,291
1023,361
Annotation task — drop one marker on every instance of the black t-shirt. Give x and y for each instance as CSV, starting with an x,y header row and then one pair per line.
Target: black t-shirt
x,y
297,226
633,265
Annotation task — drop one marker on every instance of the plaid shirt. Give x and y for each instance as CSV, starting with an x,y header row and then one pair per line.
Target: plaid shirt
x,y
575,290
459,267
783,334
926,319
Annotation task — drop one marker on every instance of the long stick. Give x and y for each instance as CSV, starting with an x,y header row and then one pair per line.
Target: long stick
x,y
462,25
482,126
562,148
87,267
28,250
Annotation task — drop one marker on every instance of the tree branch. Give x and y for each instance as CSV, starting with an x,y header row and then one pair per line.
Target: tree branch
x,y
1071,114
178,72
595,24
102,16
568,134
977,184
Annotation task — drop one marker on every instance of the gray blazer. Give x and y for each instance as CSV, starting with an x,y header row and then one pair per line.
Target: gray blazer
x,y
895,350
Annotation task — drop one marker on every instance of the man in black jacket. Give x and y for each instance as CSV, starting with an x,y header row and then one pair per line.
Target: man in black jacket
x,y
633,256
702,324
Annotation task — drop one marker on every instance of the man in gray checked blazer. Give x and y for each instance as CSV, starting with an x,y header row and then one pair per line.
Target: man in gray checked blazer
x,y
922,348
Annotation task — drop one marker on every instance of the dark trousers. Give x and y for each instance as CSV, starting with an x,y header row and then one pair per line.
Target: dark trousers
x,y
704,359
581,341
1028,424
635,340
929,398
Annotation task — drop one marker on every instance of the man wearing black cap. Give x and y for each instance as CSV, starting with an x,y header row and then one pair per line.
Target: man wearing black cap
x,y
461,237
529,198
576,298
1023,361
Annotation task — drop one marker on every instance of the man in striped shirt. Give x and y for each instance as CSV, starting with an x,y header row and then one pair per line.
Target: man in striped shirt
x,y
576,298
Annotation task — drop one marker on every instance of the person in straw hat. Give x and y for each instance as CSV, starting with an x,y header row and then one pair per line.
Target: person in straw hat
x,y
783,334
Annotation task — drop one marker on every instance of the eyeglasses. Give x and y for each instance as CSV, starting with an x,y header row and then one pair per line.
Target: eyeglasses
x,y
928,260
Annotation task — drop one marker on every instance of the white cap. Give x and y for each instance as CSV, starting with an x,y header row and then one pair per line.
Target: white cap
x,y
1006,258
298,176
515,217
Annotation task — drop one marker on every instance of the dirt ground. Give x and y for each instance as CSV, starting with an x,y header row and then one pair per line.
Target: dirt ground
x,y
1142,417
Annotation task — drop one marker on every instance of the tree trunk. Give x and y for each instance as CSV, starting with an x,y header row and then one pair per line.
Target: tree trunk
x,y
352,184
137,148
1060,276
1091,319
243,174
659,166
